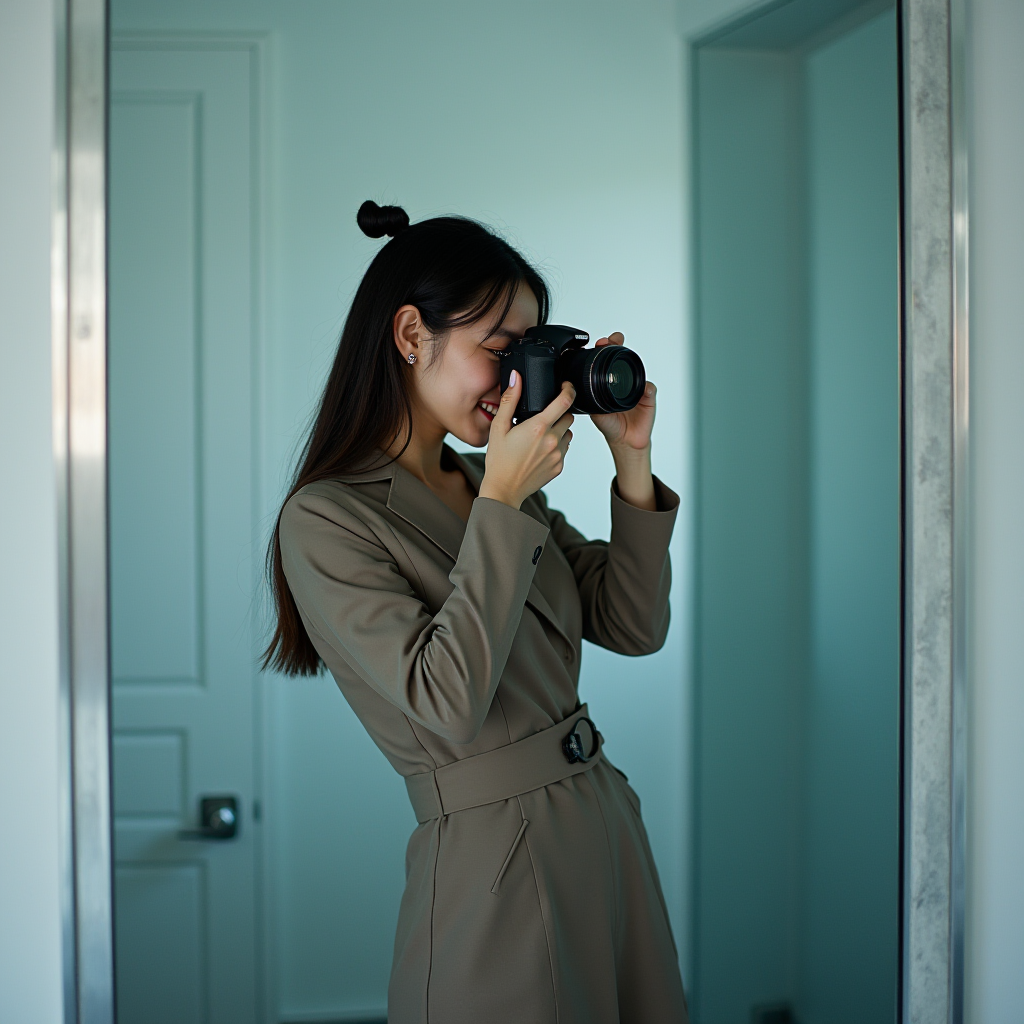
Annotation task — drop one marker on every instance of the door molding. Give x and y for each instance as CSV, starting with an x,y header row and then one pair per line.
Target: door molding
x,y
936,430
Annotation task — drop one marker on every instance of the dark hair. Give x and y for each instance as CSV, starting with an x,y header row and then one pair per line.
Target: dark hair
x,y
455,272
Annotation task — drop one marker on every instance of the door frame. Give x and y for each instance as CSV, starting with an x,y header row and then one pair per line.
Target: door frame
x,y
935,434
79,341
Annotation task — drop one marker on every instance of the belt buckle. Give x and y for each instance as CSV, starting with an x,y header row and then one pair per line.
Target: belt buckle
x,y
574,746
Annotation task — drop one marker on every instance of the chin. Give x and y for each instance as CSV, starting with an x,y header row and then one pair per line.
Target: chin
x,y
474,436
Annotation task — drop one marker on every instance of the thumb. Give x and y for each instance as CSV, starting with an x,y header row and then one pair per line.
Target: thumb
x,y
508,403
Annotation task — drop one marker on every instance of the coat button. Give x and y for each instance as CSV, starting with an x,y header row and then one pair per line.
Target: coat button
x,y
536,554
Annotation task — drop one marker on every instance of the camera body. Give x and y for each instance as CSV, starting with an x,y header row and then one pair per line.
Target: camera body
x,y
607,379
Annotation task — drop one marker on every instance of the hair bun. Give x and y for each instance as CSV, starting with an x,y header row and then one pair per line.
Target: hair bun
x,y
377,220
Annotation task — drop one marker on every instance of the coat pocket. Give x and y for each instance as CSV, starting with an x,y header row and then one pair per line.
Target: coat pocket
x,y
508,859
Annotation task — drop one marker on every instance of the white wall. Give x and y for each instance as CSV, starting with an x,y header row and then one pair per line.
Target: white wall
x,y
30,954
996,828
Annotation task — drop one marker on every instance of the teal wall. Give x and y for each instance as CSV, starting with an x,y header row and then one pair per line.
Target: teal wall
x,y
752,494
562,124
850,881
796,702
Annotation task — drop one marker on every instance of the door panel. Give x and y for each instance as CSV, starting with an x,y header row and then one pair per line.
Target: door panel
x,y
182,567
156,383
160,971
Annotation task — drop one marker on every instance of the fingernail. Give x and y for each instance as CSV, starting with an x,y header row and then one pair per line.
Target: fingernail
x,y
513,379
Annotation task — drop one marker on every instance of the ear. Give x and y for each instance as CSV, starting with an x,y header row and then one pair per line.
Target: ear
x,y
410,335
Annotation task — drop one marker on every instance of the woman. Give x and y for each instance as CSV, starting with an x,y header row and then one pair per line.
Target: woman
x,y
449,603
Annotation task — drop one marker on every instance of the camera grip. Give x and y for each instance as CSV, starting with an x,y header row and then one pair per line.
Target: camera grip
x,y
539,384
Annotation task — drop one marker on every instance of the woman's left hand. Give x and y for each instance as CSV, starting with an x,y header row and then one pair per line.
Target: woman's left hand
x,y
627,432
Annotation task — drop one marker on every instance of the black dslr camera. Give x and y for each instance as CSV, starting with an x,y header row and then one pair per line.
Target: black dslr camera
x,y
607,379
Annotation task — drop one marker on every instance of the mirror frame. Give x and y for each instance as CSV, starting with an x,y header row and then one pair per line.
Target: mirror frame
x,y
934,446
934,306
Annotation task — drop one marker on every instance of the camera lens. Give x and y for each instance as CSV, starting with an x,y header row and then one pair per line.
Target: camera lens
x,y
607,379
619,379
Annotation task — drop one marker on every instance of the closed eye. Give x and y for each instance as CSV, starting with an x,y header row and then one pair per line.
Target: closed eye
x,y
500,340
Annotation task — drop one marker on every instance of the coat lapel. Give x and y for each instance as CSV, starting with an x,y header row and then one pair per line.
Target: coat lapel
x,y
414,502
417,504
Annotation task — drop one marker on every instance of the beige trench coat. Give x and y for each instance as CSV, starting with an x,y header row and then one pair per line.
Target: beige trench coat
x,y
449,639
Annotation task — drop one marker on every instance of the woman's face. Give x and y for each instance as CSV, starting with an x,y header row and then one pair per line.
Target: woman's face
x,y
457,392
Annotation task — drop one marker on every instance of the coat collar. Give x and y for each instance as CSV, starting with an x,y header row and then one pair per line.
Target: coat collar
x,y
416,503
419,506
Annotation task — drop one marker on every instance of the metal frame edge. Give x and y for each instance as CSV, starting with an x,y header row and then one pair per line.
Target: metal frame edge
x,y
59,376
81,371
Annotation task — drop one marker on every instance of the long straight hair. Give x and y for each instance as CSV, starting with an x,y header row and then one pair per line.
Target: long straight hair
x,y
455,272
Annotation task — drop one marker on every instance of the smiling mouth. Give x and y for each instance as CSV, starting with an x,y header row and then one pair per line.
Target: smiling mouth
x,y
488,409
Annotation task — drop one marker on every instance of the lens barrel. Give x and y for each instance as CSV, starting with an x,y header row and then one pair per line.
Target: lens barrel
x,y
607,379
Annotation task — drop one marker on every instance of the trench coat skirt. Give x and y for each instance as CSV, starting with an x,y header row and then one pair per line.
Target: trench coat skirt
x,y
451,640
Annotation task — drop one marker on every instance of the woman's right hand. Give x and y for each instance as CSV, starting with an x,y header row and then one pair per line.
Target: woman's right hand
x,y
521,459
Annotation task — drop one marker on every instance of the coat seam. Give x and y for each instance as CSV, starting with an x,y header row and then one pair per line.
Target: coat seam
x,y
616,919
422,745
504,717
543,917
430,944
408,721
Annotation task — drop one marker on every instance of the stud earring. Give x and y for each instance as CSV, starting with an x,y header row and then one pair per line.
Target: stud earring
x,y
412,358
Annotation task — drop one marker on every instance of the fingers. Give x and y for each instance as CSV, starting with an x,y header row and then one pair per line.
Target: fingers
x,y
616,338
563,443
507,405
562,425
559,406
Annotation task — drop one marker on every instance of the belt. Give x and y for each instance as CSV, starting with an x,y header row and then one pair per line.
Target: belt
x,y
539,760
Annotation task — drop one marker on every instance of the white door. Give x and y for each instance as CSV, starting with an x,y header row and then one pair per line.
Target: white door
x,y
183,559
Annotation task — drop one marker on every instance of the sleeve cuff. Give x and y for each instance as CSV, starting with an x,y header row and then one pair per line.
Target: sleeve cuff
x,y
665,498
521,534
640,529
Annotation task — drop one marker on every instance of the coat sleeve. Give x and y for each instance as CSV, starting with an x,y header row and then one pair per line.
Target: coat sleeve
x,y
623,583
441,670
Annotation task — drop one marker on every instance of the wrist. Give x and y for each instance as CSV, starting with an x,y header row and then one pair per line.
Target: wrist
x,y
634,480
499,494
631,459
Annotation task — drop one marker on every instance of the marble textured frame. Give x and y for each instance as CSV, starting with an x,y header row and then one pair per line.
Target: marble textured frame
x,y
935,418
935,359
